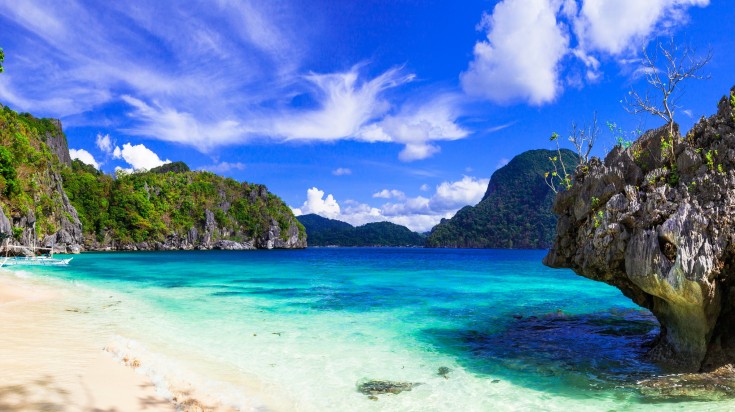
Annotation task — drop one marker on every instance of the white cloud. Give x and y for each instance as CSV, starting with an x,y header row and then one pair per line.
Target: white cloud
x,y
418,213
346,105
454,195
84,156
525,54
519,61
316,203
618,26
417,126
387,194
224,167
502,162
341,171
138,156
104,143
424,188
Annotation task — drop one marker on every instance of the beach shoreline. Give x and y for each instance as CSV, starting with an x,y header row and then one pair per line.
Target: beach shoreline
x,y
55,364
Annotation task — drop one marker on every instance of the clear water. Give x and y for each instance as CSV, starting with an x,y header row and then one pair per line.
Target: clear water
x,y
298,330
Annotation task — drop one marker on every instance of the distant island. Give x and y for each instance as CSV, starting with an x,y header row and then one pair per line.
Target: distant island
x,y
515,212
322,231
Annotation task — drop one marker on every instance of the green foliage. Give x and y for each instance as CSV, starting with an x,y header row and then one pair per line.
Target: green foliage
x,y
9,184
597,218
674,176
27,168
329,232
175,167
152,205
2,59
515,211
17,232
595,202
709,157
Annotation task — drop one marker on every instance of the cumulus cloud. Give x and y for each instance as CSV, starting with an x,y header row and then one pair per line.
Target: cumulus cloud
x,y
138,156
617,26
318,204
104,143
519,61
418,213
453,195
526,55
341,171
84,156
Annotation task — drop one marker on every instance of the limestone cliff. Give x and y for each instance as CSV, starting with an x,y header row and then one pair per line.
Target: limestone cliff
x,y
657,221
34,205
174,208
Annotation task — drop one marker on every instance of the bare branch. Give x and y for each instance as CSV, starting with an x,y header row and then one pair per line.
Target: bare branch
x,y
679,63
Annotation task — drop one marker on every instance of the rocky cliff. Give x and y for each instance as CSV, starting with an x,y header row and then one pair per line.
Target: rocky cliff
x,y
657,221
46,198
34,205
174,208
514,213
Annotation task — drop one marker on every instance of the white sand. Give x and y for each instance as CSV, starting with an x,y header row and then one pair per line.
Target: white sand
x,y
49,363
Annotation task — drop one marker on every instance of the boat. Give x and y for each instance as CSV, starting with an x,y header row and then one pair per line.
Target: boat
x,y
43,260
33,260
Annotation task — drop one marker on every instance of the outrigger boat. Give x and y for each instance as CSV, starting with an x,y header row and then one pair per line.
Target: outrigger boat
x,y
34,260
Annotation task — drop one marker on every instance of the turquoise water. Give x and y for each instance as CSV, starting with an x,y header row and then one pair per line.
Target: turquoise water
x,y
298,330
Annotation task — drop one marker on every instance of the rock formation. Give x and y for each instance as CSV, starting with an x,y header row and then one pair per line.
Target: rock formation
x,y
657,221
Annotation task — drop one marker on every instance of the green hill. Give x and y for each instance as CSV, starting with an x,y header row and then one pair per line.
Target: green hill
x,y
514,213
46,198
329,232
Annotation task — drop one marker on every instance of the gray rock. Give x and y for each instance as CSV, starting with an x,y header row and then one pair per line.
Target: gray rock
x,y
662,230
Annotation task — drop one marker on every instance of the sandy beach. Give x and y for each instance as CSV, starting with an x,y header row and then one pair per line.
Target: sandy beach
x,y
49,363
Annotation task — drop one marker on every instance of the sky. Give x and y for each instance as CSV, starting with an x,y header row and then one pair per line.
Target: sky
x,y
361,111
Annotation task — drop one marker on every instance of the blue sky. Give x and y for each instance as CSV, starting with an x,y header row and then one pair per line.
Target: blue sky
x,y
356,110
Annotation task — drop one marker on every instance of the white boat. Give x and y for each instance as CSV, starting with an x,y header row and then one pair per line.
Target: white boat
x,y
34,261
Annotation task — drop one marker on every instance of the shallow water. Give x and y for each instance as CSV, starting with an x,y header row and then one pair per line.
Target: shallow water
x,y
298,330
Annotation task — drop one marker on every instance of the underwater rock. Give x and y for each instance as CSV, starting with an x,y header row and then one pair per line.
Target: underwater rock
x,y
657,221
443,372
374,387
717,385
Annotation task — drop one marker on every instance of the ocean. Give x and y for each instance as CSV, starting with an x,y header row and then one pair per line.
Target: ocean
x,y
477,330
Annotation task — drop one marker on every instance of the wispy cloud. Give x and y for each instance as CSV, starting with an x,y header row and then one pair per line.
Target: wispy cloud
x,y
216,74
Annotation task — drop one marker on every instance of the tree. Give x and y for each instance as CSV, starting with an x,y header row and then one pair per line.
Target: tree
x,y
679,63
583,138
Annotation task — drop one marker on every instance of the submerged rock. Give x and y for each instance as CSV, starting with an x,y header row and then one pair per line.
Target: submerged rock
x,y
443,372
373,387
657,221
716,385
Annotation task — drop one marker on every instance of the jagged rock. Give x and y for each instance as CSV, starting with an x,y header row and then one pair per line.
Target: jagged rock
x,y
659,225
231,245
5,226
57,143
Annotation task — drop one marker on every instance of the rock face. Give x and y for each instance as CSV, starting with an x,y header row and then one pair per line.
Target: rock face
x,y
38,211
657,221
